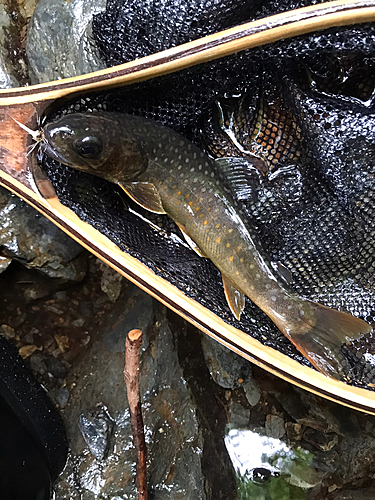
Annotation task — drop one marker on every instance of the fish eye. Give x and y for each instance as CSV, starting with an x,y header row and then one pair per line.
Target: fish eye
x,y
89,146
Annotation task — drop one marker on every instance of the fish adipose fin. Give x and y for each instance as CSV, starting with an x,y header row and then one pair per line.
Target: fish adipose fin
x,y
145,194
235,298
321,345
190,242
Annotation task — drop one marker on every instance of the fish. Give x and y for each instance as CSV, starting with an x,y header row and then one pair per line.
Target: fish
x,y
167,174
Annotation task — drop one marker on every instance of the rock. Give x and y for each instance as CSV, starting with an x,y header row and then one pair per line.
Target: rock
x,y
62,397
252,392
33,240
59,41
111,281
360,494
97,431
137,311
173,436
275,426
239,416
227,368
7,331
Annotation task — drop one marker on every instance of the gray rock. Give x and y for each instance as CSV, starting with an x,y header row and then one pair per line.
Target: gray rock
x,y
239,416
360,494
97,431
252,392
275,426
62,397
227,368
136,312
173,437
33,240
59,42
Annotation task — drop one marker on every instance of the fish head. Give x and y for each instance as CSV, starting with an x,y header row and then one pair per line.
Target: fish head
x,y
94,144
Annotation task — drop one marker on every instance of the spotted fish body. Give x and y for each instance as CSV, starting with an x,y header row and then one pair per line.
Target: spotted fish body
x,y
165,173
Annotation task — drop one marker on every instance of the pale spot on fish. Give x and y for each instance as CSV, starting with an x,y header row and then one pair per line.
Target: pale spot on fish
x,y
190,203
200,167
237,273
179,167
187,160
274,298
197,209
187,196
217,226
241,260
201,215
192,169
230,231
251,266
228,245
166,160
239,248
160,145
178,193
181,143
205,222
218,240
231,258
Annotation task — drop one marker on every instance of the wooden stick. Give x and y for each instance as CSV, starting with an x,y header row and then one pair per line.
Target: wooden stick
x,y
131,373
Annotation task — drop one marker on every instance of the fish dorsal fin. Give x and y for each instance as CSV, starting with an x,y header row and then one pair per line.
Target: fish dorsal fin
x,y
241,174
235,298
145,194
190,242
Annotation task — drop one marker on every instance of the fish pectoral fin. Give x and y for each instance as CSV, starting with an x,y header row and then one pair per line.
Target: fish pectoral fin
x,y
235,298
145,194
191,242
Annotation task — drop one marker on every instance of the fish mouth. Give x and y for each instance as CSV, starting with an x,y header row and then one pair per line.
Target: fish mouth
x,y
53,153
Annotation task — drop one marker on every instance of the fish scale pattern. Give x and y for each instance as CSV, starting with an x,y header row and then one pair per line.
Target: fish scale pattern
x,y
310,197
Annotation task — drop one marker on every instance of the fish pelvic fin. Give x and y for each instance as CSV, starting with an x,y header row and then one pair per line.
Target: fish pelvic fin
x,y
235,298
321,345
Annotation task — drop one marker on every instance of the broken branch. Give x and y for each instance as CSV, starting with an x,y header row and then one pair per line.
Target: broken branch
x,y
131,373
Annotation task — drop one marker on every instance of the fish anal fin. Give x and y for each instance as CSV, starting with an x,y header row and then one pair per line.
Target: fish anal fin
x,y
145,194
191,242
322,343
235,298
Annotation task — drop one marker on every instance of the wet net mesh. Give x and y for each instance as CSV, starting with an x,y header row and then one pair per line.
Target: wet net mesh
x,y
304,107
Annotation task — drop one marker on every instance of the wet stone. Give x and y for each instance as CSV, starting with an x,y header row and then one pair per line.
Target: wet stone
x,y
228,369
98,396
275,426
239,415
62,397
136,311
252,392
36,242
97,431
360,494
59,41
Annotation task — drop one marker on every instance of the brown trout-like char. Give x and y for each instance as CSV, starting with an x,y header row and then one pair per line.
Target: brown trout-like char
x,y
165,173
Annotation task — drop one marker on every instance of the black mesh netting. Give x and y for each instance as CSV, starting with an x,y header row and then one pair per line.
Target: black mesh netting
x,y
304,107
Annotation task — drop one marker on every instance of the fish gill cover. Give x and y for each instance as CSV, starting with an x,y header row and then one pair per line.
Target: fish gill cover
x,y
303,107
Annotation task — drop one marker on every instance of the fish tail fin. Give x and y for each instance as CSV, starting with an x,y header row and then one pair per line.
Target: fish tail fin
x,y
322,343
